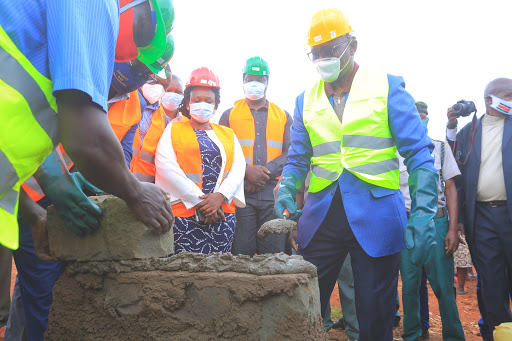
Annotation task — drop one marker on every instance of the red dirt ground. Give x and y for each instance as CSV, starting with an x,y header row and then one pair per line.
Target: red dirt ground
x,y
468,311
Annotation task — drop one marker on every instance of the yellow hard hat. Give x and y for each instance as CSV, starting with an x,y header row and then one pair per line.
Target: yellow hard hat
x,y
326,25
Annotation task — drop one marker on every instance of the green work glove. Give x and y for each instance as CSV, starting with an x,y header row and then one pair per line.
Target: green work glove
x,y
286,196
420,233
65,190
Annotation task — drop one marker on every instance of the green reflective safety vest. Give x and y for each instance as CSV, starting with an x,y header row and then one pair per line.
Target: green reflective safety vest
x,y
362,144
28,132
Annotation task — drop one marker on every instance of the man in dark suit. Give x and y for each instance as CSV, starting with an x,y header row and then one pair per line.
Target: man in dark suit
x,y
483,150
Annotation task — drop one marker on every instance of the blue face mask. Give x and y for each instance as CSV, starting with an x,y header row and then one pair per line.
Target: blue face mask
x,y
254,90
126,78
202,111
425,122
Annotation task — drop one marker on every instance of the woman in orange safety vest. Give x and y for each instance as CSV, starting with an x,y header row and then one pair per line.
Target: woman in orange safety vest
x,y
202,166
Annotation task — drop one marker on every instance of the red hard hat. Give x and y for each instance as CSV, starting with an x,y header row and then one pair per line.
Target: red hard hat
x,y
203,77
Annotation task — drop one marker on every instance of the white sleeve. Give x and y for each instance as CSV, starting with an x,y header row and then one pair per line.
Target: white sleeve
x,y
233,185
169,175
451,133
450,167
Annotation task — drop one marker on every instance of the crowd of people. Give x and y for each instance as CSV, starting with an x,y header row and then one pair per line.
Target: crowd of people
x,y
373,194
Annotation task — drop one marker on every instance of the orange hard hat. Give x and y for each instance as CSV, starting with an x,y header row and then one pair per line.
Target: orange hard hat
x,y
326,25
203,77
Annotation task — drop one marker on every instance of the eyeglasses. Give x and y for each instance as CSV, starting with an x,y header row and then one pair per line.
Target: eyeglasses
x,y
326,51
141,70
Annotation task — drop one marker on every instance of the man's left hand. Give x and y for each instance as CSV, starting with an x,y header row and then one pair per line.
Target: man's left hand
x,y
451,241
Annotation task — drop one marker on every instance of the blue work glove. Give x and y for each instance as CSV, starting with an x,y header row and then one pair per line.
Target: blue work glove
x,y
286,196
65,190
420,231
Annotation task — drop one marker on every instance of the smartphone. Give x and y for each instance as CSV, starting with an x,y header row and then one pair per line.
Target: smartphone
x,y
201,218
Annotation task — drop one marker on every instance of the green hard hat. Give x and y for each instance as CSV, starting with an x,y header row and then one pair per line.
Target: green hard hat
x,y
160,63
256,66
164,13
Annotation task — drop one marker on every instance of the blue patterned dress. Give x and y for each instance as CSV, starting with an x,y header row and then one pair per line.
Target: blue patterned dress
x,y
188,234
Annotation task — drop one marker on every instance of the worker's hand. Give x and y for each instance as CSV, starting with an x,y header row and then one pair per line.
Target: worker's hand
x,y
451,242
452,118
65,190
286,197
211,203
152,207
251,188
213,217
257,175
292,239
420,234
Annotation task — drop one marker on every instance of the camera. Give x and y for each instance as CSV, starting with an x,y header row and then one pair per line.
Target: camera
x,y
463,108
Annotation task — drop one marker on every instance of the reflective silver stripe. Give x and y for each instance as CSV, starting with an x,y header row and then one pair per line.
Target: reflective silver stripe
x,y
275,144
324,173
327,148
8,202
368,142
144,177
130,5
196,178
248,160
377,167
226,174
8,175
32,183
245,142
145,156
20,80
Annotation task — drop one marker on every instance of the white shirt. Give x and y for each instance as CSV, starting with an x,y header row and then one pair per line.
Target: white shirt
x,y
449,168
171,178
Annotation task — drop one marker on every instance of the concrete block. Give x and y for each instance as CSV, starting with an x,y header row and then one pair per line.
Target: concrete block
x,y
159,300
120,236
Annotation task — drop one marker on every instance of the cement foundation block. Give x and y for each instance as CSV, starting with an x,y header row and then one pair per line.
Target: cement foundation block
x,y
120,236
188,297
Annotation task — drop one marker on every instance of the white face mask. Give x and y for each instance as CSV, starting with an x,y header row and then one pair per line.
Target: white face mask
x,y
171,101
202,111
501,105
329,68
254,90
152,92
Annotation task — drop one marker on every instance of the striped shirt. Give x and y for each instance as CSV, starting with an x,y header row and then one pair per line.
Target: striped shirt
x,y
70,42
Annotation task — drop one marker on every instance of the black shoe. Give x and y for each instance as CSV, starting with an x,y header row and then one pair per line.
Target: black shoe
x,y
396,323
340,324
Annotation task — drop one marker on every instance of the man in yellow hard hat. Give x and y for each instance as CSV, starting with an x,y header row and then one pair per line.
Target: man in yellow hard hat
x,y
347,127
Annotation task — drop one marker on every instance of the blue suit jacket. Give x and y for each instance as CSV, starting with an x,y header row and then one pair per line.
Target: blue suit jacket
x,y
376,215
467,186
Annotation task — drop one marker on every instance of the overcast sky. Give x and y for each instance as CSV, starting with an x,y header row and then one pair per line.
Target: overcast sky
x,y
445,50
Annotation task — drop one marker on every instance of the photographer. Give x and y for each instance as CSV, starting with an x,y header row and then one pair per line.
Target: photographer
x,y
484,154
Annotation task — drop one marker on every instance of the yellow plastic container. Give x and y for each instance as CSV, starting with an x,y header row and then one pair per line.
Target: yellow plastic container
x,y
503,332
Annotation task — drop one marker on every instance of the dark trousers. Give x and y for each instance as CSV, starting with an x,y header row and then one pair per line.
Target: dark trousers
x,y
492,258
248,221
5,283
375,279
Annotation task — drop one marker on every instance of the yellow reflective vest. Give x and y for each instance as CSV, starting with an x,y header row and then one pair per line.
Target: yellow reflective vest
x,y
28,133
362,143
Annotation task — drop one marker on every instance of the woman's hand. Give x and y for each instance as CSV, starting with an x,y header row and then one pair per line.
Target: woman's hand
x,y
210,206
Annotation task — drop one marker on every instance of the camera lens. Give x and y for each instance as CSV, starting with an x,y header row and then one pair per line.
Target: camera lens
x,y
458,108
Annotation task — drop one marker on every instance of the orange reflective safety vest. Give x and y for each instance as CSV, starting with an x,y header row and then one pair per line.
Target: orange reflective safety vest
x,y
31,186
143,159
242,122
122,115
188,154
